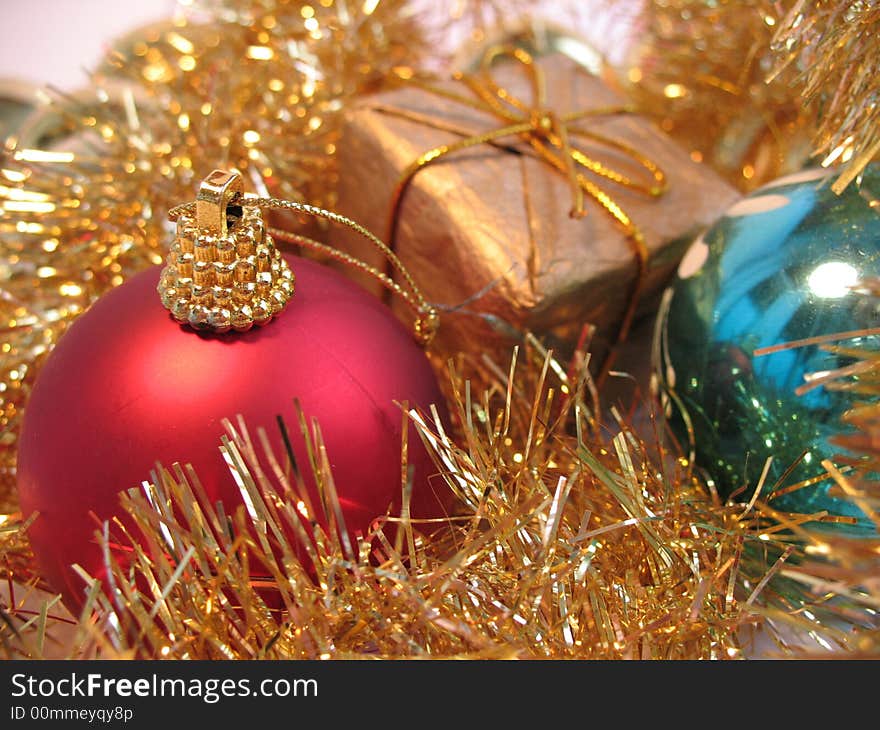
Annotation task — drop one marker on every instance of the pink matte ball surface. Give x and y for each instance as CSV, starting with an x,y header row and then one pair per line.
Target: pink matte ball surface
x,y
127,387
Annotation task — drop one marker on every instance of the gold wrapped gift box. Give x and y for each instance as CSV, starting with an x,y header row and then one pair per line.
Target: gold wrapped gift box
x,y
487,231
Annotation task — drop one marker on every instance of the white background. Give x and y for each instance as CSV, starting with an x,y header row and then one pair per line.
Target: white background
x,y
54,41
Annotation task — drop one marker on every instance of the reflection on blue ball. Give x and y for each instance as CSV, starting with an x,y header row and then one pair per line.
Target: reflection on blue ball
x,y
776,268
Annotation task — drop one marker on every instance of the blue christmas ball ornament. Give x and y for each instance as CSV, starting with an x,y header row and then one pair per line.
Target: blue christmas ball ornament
x,y
778,267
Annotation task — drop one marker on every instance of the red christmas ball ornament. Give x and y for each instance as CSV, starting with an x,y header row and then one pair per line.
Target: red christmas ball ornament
x,y
127,386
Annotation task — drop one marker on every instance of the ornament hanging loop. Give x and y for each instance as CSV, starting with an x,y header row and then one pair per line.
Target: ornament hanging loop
x,y
215,194
224,272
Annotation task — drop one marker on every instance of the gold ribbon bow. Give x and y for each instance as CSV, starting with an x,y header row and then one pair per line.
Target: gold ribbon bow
x,y
550,136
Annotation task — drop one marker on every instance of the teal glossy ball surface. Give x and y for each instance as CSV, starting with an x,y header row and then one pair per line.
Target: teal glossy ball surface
x,y
776,268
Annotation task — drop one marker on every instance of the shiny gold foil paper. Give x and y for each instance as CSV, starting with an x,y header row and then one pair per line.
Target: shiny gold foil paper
x,y
487,233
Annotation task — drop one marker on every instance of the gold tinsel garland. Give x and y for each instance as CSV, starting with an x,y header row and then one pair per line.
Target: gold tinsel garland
x,y
570,543
701,69
754,88
575,539
832,45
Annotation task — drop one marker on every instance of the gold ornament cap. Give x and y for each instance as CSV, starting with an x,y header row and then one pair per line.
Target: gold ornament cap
x,y
223,271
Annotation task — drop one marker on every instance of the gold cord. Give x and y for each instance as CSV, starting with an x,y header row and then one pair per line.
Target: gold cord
x,y
427,320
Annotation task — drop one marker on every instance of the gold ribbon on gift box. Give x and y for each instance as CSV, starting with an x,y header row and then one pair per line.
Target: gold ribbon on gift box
x,y
550,135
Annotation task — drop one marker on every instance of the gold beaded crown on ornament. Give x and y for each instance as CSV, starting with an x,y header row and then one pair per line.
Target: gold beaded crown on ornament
x,y
224,272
